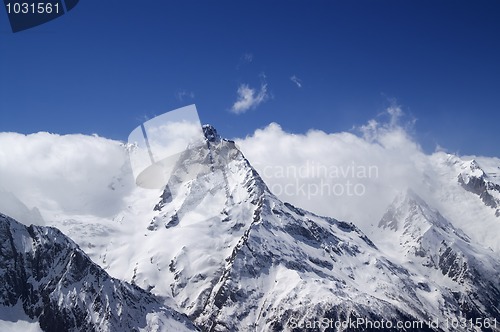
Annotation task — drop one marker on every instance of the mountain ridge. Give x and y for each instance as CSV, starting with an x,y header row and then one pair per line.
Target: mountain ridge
x,y
61,288
218,246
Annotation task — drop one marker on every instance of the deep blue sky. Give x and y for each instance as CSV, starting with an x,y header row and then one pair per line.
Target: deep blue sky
x,y
106,66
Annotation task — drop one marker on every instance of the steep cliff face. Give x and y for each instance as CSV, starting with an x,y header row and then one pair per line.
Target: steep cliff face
x,y
477,181
58,286
468,274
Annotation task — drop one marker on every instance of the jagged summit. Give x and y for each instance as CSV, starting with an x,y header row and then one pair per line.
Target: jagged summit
x,y
408,210
475,180
430,243
211,133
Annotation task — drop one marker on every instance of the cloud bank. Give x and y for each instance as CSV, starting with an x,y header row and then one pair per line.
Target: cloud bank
x,y
72,173
347,175
350,176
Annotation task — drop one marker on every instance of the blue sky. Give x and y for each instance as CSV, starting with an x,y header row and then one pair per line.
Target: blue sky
x,y
106,66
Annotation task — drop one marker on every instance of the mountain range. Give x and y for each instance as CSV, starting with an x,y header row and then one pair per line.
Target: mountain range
x,y
216,250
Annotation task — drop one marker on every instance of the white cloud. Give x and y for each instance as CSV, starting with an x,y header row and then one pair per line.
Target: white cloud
x,y
296,80
380,131
73,173
249,98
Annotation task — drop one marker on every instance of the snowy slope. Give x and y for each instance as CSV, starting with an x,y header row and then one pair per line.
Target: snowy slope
x,y
428,244
490,166
466,195
474,179
48,283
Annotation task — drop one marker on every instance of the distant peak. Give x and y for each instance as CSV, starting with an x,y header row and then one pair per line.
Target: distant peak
x,y
210,133
412,196
472,169
407,196
474,165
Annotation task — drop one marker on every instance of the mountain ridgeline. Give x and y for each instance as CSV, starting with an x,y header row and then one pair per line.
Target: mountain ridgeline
x,y
216,250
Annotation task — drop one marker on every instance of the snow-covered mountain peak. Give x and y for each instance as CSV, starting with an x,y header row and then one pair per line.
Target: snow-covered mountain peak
x,y
425,242
475,180
471,168
417,227
215,168
210,133
409,211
